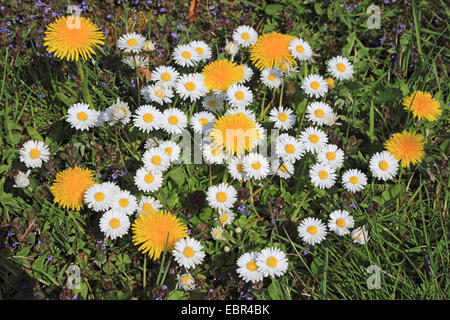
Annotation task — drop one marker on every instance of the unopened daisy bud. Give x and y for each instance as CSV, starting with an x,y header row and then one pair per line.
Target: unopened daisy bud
x,y
226,249
231,48
238,230
21,180
149,46
330,83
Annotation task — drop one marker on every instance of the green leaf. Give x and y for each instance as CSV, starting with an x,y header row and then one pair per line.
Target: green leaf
x,y
177,295
273,9
177,175
32,132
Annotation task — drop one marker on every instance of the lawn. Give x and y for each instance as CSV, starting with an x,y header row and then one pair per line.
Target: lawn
x,y
53,249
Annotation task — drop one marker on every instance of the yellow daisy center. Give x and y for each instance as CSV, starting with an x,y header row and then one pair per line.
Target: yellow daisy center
x,y
147,207
99,196
331,156
223,218
148,117
239,95
149,178
282,116
212,103
271,77
240,167
124,202
166,76
312,230
319,113
114,223
186,54
245,36
354,180
173,120
314,138
199,50
190,86
159,94
251,265
272,262
204,121
340,223
188,252
341,67
132,42
221,196
383,165
315,85
300,49
35,153
256,165
168,150
82,116
289,148
323,174
156,160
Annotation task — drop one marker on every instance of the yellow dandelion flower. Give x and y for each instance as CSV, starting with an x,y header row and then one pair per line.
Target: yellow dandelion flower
x,y
70,185
73,37
407,147
236,133
422,105
150,231
222,74
272,50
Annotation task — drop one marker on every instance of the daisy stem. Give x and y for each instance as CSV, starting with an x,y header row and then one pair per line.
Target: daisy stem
x,y
120,152
144,275
137,81
251,198
210,176
84,83
281,92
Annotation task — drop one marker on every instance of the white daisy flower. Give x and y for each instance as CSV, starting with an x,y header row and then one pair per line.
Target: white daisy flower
x,y
147,118
314,85
149,46
159,93
188,252
271,78
99,197
185,56
383,165
81,117
248,73
300,49
331,155
213,102
239,96
166,75
203,50
191,86
33,153
283,169
313,139
114,224
354,180
217,233
322,175
225,217
283,118
360,235
148,181
172,149
247,267
319,113
131,42
246,112
312,231
340,68
212,154
221,196
340,222
148,204
261,139
202,121
231,48
245,36
136,62
256,166
112,187
236,168
173,121
186,282
124,202
289,148
21,180
272,262
156,160
118,112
